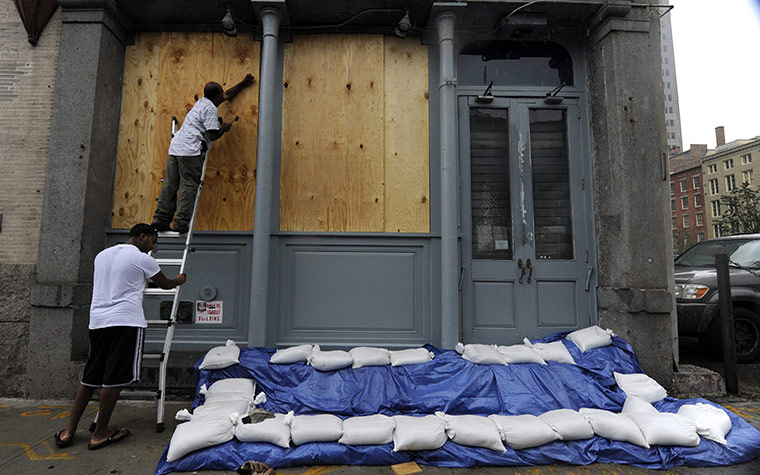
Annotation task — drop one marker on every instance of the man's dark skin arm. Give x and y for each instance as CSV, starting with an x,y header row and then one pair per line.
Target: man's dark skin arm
x,y
230,93
162,281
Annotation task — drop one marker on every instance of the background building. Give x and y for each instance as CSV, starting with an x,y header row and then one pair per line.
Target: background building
x,y
687,198
670,84
726,168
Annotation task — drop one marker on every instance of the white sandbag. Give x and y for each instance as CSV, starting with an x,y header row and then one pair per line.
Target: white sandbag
x,y
223,407
369,356
569,424
640,384
665,428
480,354
523,431
519,354
419,433
230,385
636,403
712,422
614,426
473,431
554,351
376,429
411,356
199,433
274,431
591,337
294,354
329,360
221,356
318,428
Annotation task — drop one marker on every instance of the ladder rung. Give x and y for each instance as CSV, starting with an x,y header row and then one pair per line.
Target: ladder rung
x,y
160,323
170,234
153,356
156,291
137,393
169,262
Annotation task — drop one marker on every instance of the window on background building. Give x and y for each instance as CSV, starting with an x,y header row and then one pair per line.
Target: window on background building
x,y
682,184
684,202
728,164
696,182
700,237
715,209
716,230
685,220
747,159
699,219
697,201
672,187
667,85
712,169
714,187
670,109
672,204
667,72
666,60
670,98
730,182
747,177
674,222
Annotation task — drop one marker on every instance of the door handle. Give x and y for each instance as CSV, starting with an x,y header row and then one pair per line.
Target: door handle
x,y
529,265
522,268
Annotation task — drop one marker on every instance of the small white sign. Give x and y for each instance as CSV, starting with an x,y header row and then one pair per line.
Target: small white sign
x,y
502,244
209,312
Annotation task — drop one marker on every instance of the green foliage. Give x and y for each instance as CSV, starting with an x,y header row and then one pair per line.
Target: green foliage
x,y
740,211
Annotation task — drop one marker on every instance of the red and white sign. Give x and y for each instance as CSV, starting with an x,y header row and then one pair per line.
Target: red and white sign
x,y
209,312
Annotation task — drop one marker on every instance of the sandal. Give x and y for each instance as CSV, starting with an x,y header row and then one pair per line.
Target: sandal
x,y
112,439
60,443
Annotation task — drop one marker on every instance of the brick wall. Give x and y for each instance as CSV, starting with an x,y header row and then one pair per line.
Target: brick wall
x,y
27,79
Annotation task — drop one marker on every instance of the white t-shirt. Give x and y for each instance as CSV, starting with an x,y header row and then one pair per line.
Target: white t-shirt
x,y
121,272
204,116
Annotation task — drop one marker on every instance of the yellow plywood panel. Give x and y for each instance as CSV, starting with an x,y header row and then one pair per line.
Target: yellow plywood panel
x,y
407,188
133,188
178,66
331,171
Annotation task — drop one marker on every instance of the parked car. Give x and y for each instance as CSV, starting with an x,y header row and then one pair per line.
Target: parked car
x,y
697,292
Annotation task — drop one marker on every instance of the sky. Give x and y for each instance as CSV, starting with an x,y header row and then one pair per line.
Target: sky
x,y
717,53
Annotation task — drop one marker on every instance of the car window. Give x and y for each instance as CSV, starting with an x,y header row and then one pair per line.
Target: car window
x,y
741,252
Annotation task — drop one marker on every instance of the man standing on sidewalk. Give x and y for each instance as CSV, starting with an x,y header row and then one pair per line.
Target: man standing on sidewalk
x,y
186,154
117,326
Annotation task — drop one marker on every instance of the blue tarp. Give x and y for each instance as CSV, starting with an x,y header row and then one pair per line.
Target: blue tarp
x,y
454,385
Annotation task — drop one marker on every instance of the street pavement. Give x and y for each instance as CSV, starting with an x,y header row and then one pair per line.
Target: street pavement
x,y
27,445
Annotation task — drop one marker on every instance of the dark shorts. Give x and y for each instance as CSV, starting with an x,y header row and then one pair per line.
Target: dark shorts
x,y
115,357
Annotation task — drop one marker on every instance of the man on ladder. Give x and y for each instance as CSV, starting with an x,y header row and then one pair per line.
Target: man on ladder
x,y
187,153
117,328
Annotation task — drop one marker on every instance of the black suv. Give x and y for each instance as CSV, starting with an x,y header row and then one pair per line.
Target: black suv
x,y
697,292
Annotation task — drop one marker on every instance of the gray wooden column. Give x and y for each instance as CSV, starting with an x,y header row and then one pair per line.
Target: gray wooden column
x,y
265,159
450,266
630,166
78,191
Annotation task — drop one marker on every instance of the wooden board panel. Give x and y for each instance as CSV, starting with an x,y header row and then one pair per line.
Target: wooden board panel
x,y
186,62
133,198
407,162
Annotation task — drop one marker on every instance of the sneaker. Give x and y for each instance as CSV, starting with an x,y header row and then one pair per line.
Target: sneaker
x,y
180,228
160,226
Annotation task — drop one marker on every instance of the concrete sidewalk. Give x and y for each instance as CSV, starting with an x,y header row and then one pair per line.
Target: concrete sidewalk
x,y
27,445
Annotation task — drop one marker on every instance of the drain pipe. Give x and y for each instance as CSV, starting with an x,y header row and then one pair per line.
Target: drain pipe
x,y
265,155
445,23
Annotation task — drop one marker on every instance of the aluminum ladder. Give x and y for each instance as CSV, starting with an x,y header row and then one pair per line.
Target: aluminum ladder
x,y
169,325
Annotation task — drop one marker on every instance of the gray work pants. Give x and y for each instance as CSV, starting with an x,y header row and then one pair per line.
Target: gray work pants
x,y
183,175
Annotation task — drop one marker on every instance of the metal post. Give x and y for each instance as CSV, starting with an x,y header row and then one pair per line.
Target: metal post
x,y
445,23
270,20
727,324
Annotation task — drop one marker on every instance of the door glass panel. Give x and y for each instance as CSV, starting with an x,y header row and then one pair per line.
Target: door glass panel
x,y
551,184
490,193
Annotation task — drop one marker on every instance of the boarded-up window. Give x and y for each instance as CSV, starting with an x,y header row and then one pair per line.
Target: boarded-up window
x,y
355,135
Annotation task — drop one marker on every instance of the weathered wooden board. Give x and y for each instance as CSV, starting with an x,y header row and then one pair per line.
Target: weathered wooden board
x,y
185,63
407,152
335,136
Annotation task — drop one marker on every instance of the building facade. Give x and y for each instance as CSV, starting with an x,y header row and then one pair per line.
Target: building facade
x,y
670,84
402,173
687,198
727,168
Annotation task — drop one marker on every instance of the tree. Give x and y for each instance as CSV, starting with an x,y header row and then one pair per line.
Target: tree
x,y
741,211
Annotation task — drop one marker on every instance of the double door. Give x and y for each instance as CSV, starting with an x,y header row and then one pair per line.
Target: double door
x,y
525,218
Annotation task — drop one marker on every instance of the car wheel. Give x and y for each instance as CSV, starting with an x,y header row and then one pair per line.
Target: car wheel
x,y
747,335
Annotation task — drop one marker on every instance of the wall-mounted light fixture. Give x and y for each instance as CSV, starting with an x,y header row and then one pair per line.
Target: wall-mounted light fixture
x,y
404,26
228,24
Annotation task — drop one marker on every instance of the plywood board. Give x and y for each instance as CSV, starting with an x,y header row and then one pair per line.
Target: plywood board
x,y
186,62
407,163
